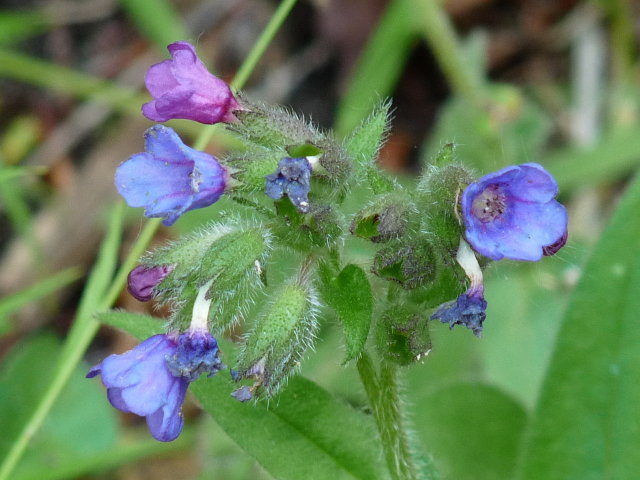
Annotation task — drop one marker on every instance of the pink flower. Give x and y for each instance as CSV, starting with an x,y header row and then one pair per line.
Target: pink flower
x,y
183,88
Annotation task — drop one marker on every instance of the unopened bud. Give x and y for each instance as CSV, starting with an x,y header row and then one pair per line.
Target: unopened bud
x,y
143,280
410,265
385,219
279,339
403,334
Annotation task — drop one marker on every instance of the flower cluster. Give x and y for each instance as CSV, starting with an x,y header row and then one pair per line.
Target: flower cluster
x,y
431,244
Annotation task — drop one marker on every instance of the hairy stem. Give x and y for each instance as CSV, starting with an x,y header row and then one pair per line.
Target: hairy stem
x,y
384,399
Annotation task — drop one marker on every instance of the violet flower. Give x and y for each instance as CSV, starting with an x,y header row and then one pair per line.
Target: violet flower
x,y
183,88
139,381
151,380
142,280
513,214
169,178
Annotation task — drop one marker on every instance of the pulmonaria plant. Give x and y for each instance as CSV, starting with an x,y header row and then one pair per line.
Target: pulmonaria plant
x,y
183,88
170,178
427,244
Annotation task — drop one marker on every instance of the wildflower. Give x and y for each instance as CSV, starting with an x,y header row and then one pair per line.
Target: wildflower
x,y
142,280
183,88
469,308
151,380
139,381
293,178
169,178
513,214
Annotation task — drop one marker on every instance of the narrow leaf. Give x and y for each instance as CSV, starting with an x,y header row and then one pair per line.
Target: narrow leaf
x,y
305,433
366,140
157,19
349,294
380,65
16,301
587,420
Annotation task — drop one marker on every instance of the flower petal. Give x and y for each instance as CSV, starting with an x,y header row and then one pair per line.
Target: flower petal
x,y
159,78
166,423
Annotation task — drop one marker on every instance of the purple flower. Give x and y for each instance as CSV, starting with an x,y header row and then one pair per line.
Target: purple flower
x,y
513,213
140,382
142,280
152,379
169,178
183,88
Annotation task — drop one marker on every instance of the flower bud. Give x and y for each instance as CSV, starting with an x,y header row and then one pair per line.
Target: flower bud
x,y
143,280
402,334
279,339
439,191
228,256
410,264
387,218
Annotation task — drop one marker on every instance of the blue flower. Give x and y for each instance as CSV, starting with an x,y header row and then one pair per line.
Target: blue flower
x,y
169,178
292,178
513,214
152,379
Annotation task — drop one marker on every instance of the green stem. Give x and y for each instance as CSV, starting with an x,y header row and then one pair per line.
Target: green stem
x,y
436,27
83,330
384,398
96,298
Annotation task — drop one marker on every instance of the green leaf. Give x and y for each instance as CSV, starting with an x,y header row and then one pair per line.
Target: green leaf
x,y
615,155
305,433
139,325
472,430
587,419
18,25
366,140
513,130
349,294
